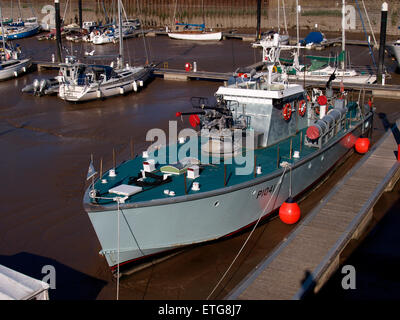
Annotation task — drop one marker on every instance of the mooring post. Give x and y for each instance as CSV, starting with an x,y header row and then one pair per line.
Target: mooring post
x,y
382,42
258,35
58,29
80,13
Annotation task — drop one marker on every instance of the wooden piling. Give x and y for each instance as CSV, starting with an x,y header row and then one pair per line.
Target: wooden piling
x,y
101,167
224,175
277,158
255,166
301,140
184,178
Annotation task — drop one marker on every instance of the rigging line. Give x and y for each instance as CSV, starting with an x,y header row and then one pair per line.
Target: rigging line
x,y
369,22
117,199
290,184
284,16
65,11
33,10
251,233
123,10
118,230
365,31
279,24
141,26
19,9
174,16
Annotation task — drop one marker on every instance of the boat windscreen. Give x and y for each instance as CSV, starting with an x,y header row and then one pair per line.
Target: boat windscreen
x,y
100,69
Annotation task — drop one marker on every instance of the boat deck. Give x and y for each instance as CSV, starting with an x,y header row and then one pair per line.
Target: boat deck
x,y
213,176
303,262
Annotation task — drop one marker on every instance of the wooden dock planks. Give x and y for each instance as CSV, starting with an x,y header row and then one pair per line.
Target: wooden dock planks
x,y
311,252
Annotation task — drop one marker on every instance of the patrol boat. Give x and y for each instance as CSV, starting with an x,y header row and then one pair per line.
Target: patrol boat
x,y
262,141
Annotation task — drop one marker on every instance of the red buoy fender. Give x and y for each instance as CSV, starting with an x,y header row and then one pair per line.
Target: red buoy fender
x,y
287,111
302,108
188,66
289,212
362,145
322,100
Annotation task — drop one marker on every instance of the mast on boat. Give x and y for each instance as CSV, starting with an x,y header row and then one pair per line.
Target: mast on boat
x,y
297,22
2,31
202,9
121,48
343,30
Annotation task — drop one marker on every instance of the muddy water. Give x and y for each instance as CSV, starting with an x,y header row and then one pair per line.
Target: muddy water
x,y
46,145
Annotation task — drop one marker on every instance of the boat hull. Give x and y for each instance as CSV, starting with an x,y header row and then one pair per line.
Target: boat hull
x,y
360,79
162,225
22,34
80,93
394,50
15,70
206,36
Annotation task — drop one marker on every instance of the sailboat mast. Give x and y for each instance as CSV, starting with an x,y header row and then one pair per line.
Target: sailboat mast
x,y
297,28
202,9
279,24
2,31
121,48
343,29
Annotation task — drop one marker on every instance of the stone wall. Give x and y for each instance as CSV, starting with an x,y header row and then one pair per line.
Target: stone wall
x,y
226,14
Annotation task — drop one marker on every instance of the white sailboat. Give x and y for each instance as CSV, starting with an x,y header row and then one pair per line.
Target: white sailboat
x,y
83,82
323,73
188,31
11,65
342,73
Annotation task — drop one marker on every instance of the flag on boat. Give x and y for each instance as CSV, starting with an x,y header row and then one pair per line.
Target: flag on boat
x,y
91,170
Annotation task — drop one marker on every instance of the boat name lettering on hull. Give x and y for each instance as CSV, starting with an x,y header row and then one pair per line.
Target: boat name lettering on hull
x,y
265,191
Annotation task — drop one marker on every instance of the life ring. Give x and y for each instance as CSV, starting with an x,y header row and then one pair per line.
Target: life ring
x,y
97,33
274,69
302,108
287,111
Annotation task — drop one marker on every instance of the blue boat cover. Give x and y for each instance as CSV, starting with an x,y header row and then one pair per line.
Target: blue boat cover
x,y
313,37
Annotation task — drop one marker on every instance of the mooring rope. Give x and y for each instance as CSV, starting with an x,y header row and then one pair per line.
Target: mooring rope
x,y
119,210
251,232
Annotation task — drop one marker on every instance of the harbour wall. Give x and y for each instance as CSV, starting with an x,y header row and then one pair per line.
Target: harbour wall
x,y
225,14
